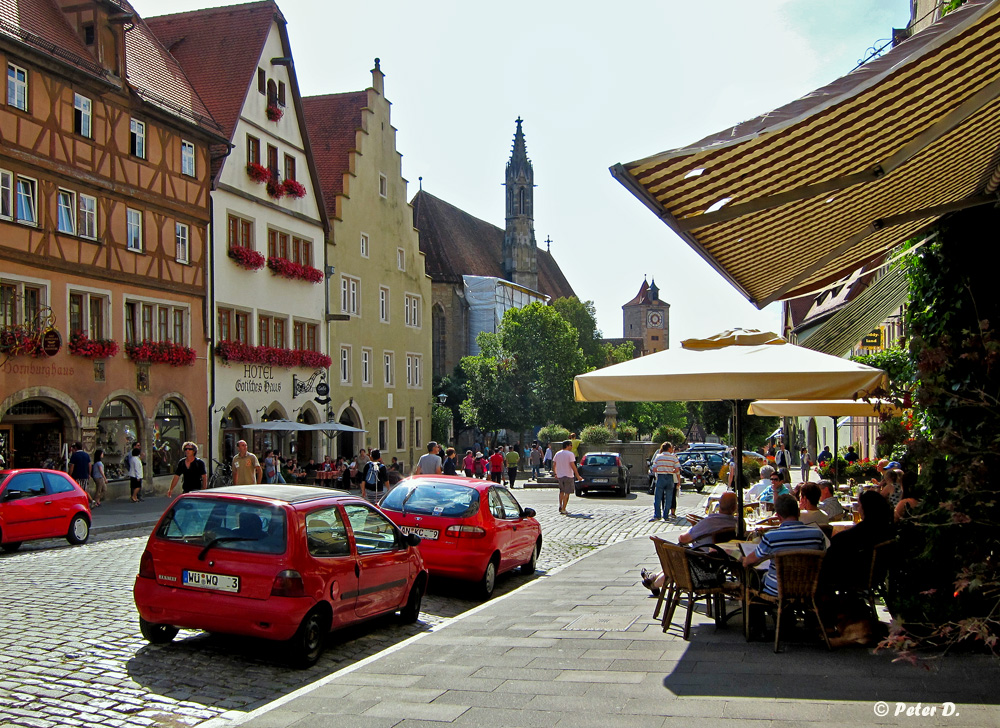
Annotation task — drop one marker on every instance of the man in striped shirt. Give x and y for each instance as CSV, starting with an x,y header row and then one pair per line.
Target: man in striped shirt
x,y
668,471
791,534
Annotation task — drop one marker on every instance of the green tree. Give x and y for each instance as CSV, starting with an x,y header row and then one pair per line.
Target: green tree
x,y
523,375
647,416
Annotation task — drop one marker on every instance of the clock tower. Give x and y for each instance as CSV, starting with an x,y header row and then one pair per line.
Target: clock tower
x,y
646,320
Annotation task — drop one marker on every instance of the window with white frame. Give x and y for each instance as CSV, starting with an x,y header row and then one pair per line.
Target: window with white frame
x,y
400,434
187,158
383,434
21,302
349,298
383,304
83,116
133,230
383,186
366,367
411,303
345,365
6,194
17,87
418,433
364,245
182,236
27,201
389,368
157,321
86,219
414,364
137,138
89,313
66,211
400,258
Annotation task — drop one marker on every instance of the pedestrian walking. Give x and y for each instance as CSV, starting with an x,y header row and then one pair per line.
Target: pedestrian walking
x,y
246,467
192,469
547,459
479,466
667,470
497,466
469,464
450,465
804,464
564,465
134,468
360,465
99,478
375,477
430,462
535,461
512,459
79,466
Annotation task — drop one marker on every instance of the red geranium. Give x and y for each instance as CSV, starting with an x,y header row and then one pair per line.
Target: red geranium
x,y
274,112
294,188
161,352
289,269
258,172
81,345
246,258
235,351
315,359
275,189
19,339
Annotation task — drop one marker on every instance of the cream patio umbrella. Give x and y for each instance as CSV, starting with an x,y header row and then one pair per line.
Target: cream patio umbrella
x,y
830,407
738,365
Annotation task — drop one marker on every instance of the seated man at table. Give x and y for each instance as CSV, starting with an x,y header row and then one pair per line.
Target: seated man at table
x,y
310,469
809,511
777,487
700,534
848,558
828,501
790,535
755,491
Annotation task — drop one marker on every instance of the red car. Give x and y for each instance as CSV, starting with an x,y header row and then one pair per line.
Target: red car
x,y
37,503
469,529
282,562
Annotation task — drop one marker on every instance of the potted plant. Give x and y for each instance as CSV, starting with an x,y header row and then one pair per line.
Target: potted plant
x,y
274,112
246,258
82,345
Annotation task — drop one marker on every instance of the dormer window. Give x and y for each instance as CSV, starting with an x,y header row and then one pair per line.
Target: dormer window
x,y
89,34
281,92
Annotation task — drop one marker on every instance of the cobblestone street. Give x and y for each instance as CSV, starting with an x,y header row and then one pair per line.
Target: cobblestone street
x,y
72,655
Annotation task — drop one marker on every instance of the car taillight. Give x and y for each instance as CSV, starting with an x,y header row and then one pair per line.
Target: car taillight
x,y
618,462
146,569
465,532
288,584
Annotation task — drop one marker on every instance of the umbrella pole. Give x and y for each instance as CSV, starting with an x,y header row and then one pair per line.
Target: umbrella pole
x,y
836,448
741,407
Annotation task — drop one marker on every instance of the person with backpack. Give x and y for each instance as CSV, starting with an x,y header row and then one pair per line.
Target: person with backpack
x,y
376,476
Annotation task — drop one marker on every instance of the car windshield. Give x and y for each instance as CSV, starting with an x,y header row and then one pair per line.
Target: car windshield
x,y
433,499
600,460
225,524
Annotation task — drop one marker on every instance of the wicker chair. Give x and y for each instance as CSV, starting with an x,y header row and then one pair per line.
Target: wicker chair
x,y
797,572
697,576
878,573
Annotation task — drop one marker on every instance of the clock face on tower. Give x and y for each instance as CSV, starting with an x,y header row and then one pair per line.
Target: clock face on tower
x,y
654,320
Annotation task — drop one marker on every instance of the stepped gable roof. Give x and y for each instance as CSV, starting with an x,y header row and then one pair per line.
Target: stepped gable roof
x,y
219,49
455,243
151,72
333,121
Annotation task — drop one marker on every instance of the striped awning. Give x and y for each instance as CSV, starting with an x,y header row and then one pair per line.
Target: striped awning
x,y
794,200
842,331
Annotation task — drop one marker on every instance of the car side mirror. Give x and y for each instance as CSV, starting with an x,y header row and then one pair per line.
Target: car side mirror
x,y
528,512
12,495
628,466
412,539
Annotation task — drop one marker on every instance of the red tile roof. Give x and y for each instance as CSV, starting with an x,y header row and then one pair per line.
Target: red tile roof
x,y
333,121
219,49
42,25
455,243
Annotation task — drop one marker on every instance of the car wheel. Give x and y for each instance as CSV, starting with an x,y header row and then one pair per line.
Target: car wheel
x,y
11,547
79,530
710,479
157,634
411,612
579,492
489,580
529,566
306,646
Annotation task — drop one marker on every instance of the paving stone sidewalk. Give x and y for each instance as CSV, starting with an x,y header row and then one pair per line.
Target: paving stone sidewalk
x,y
579,648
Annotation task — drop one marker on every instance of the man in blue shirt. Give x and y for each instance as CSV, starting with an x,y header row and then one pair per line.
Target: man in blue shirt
x,y
790,535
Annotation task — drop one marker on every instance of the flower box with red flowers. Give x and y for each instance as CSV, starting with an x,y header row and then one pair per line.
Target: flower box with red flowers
x,y
294,188
238,352
17,340
289,269
258,172
275,189
315,359
274,112
82,345
161,352
246,258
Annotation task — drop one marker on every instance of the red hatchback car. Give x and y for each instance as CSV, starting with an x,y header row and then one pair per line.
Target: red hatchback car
x,y
282,562
469,529
37,503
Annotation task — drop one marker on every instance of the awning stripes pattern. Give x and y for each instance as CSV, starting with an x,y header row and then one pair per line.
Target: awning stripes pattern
x,y
831,181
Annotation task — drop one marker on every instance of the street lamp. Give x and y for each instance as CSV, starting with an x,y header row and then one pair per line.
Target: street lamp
x,y
441,399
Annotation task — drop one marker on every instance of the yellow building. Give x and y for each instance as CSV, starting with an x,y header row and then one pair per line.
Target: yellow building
x,y
379,295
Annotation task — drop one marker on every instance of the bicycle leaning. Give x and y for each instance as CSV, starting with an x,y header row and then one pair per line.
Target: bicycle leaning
x,y
222,475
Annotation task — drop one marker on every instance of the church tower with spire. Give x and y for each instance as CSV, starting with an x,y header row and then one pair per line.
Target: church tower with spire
x,y
520,258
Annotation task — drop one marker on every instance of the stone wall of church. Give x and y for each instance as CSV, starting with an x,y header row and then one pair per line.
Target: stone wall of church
x,y
448,296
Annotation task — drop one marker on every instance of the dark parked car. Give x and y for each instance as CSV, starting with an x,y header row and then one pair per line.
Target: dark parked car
x,y
37,503
604,471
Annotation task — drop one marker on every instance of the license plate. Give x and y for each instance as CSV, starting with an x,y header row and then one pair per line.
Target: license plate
x,y
430,534
600,480
219,582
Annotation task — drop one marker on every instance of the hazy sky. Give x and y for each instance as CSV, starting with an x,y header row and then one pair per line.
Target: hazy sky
x,y
596,84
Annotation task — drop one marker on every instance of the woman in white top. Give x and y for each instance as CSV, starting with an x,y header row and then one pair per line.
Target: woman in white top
x,y
135,474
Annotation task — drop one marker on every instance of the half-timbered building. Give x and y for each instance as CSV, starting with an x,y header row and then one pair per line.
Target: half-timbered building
x,y
104,210
269,229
